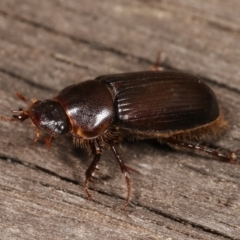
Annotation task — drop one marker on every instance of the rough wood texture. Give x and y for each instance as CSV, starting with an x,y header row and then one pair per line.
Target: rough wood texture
x,y
46,45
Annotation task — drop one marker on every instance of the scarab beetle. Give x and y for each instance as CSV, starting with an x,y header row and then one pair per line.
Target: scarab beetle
x,y
176,108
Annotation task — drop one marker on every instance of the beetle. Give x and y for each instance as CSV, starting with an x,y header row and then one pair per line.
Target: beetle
x,y
176,108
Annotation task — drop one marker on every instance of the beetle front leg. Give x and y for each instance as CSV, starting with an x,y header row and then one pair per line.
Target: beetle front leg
x,y
96,150
219,154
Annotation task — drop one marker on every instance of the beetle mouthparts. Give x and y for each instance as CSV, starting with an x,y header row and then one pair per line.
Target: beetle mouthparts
x,y
20,116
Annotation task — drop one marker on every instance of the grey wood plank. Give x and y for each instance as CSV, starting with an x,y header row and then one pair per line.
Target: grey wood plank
x,y
47,45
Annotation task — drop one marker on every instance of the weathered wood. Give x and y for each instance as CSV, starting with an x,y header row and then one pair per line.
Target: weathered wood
x,y
47,45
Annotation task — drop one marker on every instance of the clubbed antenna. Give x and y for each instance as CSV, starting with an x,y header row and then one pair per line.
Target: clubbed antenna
x,y
18,115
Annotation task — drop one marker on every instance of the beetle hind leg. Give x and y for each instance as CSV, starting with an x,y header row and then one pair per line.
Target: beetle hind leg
x,y
220,154
161,58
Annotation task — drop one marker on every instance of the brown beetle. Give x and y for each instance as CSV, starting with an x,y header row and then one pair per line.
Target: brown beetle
x,y
176,108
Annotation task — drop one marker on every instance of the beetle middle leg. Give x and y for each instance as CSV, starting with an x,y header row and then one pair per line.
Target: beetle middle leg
x,y
125,170
220,154
96,149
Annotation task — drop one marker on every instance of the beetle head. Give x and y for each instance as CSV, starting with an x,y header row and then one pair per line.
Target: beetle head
x,y
47,116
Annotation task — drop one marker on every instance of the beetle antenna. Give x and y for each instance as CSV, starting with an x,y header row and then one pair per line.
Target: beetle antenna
x,y
20,116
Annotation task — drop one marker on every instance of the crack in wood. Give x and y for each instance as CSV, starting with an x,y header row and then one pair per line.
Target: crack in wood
x,y
33,166
92,44
25,80
187,222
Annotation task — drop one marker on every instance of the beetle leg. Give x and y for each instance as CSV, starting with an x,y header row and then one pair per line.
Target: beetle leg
x,y
20,96
159,60
93,166
157,64
125,170
48,141
219,154
36,138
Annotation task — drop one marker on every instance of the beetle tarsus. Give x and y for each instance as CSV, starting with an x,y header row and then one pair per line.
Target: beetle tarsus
x,y
87,191
20,96
157,65
48,141
36,138
220,154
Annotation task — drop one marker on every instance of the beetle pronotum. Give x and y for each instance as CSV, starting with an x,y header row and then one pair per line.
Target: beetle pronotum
x,y
176,108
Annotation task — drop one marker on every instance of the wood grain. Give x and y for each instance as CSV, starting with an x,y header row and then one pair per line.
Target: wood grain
x,y
47,45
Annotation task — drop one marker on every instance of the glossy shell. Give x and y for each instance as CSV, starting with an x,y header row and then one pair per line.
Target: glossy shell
x,y
89,106
161,101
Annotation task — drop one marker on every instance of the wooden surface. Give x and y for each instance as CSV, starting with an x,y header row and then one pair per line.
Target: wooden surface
x,y
49,44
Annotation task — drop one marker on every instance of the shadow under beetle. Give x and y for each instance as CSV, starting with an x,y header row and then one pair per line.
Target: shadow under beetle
x,y
176,108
